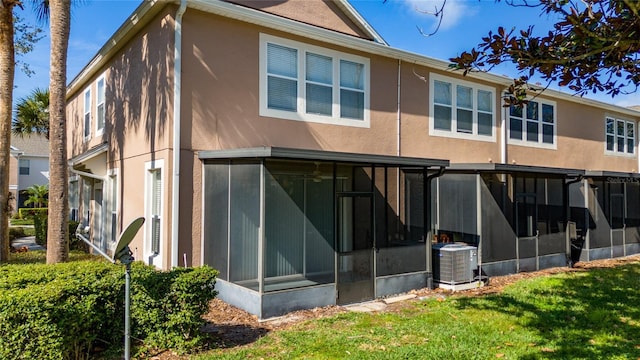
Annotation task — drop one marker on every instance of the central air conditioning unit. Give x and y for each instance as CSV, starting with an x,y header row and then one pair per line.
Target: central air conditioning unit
x,y
454,263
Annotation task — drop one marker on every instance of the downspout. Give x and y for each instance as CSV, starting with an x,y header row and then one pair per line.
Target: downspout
x,y
503,138
427,223
567,217
177,95
398,138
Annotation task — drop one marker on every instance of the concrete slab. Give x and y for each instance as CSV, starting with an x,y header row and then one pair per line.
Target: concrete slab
x,y
460,287
399,298
29,242
366,307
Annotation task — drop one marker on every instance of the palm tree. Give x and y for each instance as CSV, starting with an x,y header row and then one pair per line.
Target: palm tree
x,y
7,67
58,224
32,114
38,195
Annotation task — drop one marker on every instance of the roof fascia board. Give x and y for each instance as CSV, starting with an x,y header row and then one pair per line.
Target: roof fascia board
x,y
612,174
355,16
493,167
89,154
139,18
320,155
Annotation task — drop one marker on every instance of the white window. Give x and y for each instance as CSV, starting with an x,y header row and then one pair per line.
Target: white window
x,y
533,124
461,109
154,209
112,207
100,106
620,136
25,166
309,83
87,114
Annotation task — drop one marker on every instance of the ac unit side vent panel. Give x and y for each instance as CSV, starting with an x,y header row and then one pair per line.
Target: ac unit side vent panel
x,y
454,263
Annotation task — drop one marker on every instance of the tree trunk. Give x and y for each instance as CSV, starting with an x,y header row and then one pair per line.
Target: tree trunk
x,y
58,228
7,66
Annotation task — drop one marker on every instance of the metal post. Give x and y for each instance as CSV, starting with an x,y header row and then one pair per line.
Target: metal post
x,y
127,323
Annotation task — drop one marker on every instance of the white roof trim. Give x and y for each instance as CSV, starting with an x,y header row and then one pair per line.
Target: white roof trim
x,y
148,8
89,154
355,16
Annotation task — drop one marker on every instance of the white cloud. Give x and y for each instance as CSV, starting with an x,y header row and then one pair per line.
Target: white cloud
x,y
453,13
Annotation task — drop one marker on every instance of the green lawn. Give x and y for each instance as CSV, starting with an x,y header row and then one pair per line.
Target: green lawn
x,y
21,222
593,314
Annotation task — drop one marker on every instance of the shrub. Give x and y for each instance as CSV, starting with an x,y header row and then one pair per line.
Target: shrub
x,y
69,310
74,242
16,232
40,224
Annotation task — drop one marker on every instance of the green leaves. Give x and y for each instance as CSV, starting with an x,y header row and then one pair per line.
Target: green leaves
x,y
69,310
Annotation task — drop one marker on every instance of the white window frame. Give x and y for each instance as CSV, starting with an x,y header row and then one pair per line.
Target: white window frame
x,y
453,133
100,130
615,151
149,256
300,114
24,164
539,143
113,190
86,127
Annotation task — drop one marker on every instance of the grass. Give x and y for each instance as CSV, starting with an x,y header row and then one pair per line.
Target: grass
x,y
21,222
593,314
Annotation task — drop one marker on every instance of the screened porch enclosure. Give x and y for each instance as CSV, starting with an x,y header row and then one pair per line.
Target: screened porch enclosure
x,y
273,225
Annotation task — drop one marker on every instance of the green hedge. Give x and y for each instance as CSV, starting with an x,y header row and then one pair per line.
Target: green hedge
x,y
72,310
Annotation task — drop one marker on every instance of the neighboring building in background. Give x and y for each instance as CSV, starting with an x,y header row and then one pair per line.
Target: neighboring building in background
x,y
285,144
29,165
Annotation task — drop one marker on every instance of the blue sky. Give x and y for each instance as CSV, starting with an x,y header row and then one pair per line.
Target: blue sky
x,y
397,21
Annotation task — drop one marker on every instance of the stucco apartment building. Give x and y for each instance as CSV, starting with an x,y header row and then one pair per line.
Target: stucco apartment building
x,y
28,165
317,165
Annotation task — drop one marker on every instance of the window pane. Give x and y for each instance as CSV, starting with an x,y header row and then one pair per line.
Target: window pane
x,y
351,104
442,117
319,99
610,142
282,60
441,93
100,94
620,128
532,131
620,144
515,128
610,126
87,101
319,69
351,75
547,113
100,119
464,96
465,121
515,111
631,139
485,124
532,110
282,94
547,134
87,124
485,102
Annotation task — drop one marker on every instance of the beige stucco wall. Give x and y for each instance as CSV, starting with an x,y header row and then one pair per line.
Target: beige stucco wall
x,y
581,142
325,14
220,110
220,100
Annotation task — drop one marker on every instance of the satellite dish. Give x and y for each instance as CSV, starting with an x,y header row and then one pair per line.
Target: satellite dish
x,y
126,237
